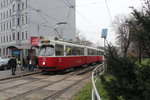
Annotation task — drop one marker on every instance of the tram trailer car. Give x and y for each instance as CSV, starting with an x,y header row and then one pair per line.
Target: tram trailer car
x,y
59,55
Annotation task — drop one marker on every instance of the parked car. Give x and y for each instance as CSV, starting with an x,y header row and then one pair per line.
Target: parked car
x,y
4,63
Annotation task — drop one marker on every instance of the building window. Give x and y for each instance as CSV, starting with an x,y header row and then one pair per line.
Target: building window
x,y
4,38
13,22
7,26
10,24
22,20
13,8
18,36
1,27
10,38
11,1
3,51
10,12
26,3
4,2
1,4
22,35
1,15
18,7
13,36
1,39
7,2
6,13
18,21
22,5
26,18
4,26
7,38
26,34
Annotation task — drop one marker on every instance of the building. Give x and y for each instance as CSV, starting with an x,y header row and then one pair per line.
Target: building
x,y
22,19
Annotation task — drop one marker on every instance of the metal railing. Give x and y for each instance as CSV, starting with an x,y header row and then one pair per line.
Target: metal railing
x,y
97,72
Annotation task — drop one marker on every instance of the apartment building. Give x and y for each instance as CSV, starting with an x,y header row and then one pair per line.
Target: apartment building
x,y
22,19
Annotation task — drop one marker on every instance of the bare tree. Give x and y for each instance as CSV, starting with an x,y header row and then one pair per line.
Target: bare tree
x,y
123,30
81,39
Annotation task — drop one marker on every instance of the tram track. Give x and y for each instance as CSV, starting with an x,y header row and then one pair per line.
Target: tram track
x,y
59,93
17,85
39,72
29,92
56,94
76,72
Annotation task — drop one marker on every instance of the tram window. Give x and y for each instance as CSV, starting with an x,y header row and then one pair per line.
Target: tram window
x,y
47,50
68,50
75,51
81,51
72,50
92,52
89,52
59,50
98,53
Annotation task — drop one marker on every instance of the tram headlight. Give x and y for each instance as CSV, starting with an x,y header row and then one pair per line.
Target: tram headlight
x,y
44,63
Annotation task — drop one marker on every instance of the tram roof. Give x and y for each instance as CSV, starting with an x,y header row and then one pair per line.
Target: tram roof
x,y
67,43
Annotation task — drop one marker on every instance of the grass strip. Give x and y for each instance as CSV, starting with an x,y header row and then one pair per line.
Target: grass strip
x,y
85,92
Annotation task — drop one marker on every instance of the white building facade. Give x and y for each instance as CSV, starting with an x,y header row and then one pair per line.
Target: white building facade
x,y
22,19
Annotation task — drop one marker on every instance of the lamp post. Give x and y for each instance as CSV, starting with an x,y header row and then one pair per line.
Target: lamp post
x,y
56,30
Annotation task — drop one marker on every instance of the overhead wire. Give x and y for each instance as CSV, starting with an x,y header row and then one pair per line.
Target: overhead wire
x,y
108,10
67,3
81,15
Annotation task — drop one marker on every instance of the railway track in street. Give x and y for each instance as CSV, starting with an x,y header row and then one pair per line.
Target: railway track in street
x,y
44,87
59,93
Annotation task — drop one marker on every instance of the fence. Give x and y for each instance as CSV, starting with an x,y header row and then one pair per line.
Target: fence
x,y
97,71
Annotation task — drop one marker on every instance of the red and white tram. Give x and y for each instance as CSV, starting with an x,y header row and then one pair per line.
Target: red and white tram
x,y
58,55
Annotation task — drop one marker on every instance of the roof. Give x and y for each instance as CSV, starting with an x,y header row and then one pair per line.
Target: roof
x,y
19,47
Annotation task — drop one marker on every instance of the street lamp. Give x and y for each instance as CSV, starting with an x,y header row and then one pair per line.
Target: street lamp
x,y
55,28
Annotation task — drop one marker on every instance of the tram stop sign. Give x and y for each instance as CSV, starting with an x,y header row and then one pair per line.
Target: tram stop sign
x,y
104,33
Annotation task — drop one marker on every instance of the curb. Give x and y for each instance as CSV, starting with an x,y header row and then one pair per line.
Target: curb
x,y
22,75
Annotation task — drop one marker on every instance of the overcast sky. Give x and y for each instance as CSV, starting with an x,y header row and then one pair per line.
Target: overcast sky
x,y
92,16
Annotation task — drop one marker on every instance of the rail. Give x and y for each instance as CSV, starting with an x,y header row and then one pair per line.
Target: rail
x,y
97,71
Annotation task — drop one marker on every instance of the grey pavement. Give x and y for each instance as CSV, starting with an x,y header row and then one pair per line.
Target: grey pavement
x,y
8,74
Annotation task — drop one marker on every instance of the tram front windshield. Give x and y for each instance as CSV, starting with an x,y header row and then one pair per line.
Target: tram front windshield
x,y
47,50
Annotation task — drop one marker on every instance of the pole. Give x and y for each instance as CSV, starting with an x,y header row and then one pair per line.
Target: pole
x,y
38,28
104,42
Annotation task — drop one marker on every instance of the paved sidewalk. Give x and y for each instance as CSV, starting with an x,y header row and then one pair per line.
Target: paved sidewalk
x,y
6,74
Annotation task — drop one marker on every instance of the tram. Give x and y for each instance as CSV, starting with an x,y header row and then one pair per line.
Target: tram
x,y
55,55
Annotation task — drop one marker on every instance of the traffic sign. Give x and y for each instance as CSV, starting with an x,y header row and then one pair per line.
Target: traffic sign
x,y
104,33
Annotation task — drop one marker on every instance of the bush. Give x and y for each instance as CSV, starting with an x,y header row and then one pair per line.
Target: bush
x,y
129,81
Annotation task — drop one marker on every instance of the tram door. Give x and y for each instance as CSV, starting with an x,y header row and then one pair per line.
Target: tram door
x,y
32,52
35,51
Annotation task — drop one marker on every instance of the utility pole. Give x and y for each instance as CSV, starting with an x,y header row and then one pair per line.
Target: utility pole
x,y
38,29
104,35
